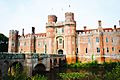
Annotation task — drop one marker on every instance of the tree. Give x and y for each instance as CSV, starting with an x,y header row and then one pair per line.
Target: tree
x,y
3,43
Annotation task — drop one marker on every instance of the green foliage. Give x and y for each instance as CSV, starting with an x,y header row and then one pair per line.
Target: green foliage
x,y
3,43
39,77
73,75
109,66
92,57
83,65
19,75
114,74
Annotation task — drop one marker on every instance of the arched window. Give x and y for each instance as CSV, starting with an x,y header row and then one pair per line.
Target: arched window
x,y
86,50
98,50
60,41
107,49
106,39
112,48
97,39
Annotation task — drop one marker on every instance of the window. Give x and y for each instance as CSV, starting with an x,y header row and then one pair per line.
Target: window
x,y
119,50
62,30
107,49
39,44
97,39
106,39
77,50
112,48
13,43
86,50
88,40
112,40
45,48
60,41
56,30
98,50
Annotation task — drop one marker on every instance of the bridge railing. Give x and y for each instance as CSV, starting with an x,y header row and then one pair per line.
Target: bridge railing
x,y
7,55
12,56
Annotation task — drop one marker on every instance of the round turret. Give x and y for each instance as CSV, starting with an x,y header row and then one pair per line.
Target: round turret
x,y
52,18
69,16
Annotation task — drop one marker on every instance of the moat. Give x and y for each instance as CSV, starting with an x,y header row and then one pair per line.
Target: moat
x,y
76,71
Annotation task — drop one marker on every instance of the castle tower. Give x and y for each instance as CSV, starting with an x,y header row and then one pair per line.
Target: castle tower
x,y
70,37
50,33
13,41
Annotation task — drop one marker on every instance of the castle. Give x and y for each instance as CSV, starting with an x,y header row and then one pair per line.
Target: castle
x,y
100,44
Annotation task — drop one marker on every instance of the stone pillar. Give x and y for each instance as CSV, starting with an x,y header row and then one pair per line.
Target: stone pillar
x,y
4,70
48,63
29,64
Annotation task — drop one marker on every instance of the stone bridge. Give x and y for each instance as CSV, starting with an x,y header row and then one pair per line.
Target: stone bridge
x,y
32,61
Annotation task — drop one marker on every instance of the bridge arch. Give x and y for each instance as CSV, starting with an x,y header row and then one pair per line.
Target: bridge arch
x,y
15,67
39,69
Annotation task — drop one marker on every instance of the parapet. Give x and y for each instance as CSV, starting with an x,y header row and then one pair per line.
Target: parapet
x,y
40,35
96,31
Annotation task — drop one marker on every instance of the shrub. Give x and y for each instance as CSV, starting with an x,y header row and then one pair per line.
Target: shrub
x,y
114,74
38,77
73,75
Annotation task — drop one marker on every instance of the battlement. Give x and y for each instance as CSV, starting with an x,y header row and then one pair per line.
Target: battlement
x,y
40,35
13,32
95,31
69,17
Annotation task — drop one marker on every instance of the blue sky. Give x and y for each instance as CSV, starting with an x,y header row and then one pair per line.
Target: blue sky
x,y
18,14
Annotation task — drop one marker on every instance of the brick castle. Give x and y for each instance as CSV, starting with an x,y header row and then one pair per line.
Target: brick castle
x,y
100,44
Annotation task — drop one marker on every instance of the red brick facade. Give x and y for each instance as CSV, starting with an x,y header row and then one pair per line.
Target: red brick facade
x,y
101,44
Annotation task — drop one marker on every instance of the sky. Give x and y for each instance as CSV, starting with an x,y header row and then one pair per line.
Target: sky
x,y
19,14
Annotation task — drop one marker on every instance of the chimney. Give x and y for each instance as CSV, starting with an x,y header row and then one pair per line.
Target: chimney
x,y
114,26
99,23
23,32
85,28
33,30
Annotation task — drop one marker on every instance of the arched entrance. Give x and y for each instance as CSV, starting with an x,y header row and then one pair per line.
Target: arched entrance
x,y
60,51
39,69
16,67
